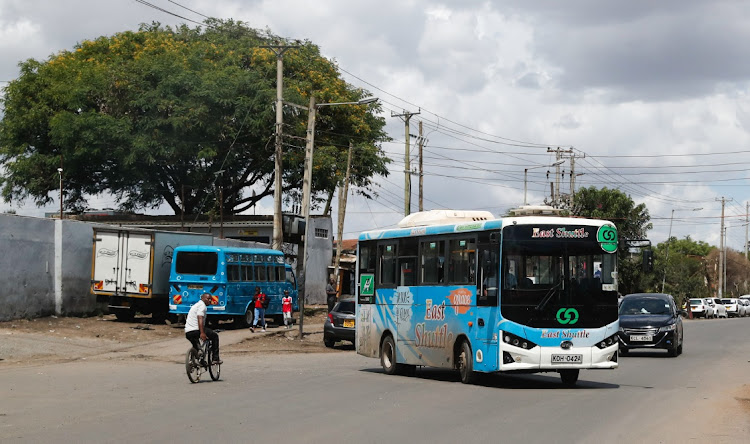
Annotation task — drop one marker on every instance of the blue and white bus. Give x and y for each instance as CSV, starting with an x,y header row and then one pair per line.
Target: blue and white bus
x,y
518,294
230,275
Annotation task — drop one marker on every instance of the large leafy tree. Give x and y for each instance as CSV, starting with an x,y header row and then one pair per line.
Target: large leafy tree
x,y
632,222
683,271
175,116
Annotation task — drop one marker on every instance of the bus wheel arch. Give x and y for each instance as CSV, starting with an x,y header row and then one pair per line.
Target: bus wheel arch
x,y
464,359
388,355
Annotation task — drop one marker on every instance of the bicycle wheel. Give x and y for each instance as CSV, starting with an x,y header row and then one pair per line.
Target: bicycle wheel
x,y
192,367
214,368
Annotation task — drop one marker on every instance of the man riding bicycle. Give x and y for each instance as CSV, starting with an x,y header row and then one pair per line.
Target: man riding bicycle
x,y
195,328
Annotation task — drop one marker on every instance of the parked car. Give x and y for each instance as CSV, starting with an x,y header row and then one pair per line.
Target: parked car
x,y
733,306
701,309
720,311
746,303
650,320
340,323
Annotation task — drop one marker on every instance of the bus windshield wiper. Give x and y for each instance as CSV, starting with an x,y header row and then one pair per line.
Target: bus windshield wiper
x,y
547,297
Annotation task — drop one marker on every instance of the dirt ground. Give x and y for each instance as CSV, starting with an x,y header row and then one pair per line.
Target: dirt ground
x,y
59,339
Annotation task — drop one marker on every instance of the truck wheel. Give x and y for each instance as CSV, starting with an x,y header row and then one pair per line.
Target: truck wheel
x,y
125,314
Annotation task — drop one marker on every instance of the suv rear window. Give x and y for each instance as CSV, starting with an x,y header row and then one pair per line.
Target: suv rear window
x,y
345,307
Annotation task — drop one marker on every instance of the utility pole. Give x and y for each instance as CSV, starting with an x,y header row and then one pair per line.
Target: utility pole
x,y
722,253
573,176
406,116
343,192
747,208
278,234
556,188
421,169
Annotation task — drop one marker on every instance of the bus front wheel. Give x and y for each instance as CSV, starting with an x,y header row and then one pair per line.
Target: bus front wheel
x,y
388,356
569,377
466,363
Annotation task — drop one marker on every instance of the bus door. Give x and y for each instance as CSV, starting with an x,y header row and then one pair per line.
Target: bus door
x,y
488,292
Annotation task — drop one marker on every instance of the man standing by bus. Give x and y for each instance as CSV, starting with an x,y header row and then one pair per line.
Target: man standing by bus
x,y
195,328
331,294
260,301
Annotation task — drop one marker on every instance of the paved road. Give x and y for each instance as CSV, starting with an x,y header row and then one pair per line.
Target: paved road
x,y
343,397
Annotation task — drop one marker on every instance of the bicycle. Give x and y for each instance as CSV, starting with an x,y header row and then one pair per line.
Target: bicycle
x,y
200,360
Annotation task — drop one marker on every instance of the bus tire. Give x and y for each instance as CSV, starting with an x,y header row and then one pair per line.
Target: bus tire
x,y
465,363
569,377
388,356
249,317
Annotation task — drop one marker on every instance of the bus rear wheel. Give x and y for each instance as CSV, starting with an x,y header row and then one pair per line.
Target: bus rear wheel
x,y
246,320
388,356
466,363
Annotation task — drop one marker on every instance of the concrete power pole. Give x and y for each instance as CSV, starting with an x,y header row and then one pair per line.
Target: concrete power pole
x,y
406,116
278,234
556,188
421,170
747,208
343,192
722,253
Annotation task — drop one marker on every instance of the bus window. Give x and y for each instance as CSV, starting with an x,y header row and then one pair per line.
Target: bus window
x,y
387,255
260,272
433,260
367,258
462,261
247,272
233,273
290,277
407,262
196,262
271,273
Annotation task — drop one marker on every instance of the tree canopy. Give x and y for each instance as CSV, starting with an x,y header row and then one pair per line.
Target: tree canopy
x,y
174,115
632,222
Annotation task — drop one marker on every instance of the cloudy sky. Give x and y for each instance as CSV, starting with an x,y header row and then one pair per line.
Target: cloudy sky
x,y
653,98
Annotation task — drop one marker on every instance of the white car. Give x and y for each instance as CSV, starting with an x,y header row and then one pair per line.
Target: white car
x,y
734,308
746,303
720,311
701,309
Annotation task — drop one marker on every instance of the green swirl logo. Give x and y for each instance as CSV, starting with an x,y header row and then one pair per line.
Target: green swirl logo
x,y
607,238
567,316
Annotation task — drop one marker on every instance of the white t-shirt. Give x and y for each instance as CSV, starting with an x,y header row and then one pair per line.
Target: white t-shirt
x,y
191,322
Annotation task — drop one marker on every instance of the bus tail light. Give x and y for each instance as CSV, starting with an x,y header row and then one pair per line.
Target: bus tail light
x,y
98,285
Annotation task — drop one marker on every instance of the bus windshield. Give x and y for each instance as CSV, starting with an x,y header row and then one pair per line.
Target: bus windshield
x,y
196,262
542,276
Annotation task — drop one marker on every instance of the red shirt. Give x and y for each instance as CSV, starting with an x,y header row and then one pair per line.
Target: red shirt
x,y
286,304
260,299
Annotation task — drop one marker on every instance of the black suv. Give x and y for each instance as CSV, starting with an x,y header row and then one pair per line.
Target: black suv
x,y
650,320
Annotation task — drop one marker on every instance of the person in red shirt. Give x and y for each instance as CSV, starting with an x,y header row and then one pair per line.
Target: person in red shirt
x,y
286,309
261,303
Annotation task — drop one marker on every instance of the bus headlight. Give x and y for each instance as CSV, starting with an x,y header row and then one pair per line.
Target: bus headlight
x,y
517,341
607,342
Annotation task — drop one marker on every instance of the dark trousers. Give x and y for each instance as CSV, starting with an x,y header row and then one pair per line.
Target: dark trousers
x,y
331,302
195,335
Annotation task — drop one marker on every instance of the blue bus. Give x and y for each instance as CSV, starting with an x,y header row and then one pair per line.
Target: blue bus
x,y
230,275
518,294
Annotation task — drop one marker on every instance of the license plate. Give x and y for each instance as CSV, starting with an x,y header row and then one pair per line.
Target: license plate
x,y
195,287
348,322
641,338
567,359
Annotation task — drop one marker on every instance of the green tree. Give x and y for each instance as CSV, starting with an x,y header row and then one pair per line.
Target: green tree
x,y
175,116
684,272
632,222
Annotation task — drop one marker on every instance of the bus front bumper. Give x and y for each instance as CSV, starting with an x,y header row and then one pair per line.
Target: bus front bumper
x,y
555,358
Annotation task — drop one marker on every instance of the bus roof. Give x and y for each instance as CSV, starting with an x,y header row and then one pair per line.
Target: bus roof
x,y
239,250
478,226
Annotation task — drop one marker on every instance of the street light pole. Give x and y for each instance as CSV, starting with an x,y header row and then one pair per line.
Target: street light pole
x,y
669,241
60,171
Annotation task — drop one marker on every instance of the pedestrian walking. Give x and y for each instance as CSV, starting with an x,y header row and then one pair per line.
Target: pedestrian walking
x,y
260,301
286,309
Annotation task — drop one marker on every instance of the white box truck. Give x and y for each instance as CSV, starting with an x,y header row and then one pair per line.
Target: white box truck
x,y
130,268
